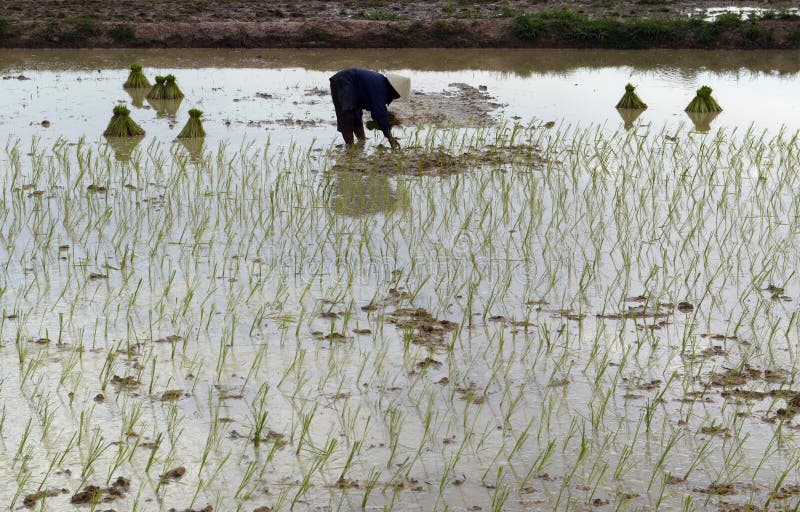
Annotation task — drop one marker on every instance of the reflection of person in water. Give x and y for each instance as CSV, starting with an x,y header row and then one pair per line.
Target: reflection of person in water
x,y
356,195
354,90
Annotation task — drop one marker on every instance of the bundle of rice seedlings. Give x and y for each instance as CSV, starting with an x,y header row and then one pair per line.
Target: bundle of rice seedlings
x,y
629,116
630,99
171,89
702,121
703,102
194,127
393,121
165,108
157,91
121,125
137,96
136,79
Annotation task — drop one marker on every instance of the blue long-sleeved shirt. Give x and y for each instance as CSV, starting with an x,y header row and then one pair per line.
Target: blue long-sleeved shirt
x,y
370,91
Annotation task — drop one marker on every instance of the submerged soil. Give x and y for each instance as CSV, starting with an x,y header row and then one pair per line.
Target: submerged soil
x,y
336,24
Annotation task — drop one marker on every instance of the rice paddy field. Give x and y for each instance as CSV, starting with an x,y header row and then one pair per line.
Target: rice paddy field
x,y
537,304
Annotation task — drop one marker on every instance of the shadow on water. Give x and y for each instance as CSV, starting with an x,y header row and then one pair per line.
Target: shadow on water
x,y
123,147
702,122
194,148
629,116
354,194
166,108
683,64
137,96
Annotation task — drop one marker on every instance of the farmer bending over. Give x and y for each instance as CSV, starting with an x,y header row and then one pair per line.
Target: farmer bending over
x,y
354,90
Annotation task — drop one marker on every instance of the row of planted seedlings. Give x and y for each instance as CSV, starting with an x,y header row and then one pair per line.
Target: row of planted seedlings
x,y
165,96
566,330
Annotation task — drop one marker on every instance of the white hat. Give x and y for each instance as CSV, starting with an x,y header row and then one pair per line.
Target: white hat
x,y
401,84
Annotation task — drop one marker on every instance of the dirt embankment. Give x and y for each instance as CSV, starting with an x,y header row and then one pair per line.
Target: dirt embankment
x,y
378,24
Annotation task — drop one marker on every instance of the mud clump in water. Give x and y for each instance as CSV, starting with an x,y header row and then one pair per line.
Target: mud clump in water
x,y
428,331
95,494
125,382
395,297
460,105
331,337
470,393
173,474
717,489
419,161
170,395
31,499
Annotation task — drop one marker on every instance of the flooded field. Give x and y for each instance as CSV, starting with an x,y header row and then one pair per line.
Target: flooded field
x,y
530,307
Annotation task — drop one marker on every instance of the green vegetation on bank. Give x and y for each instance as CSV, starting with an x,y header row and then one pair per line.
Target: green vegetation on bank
x,y
565,26
70,30
379,15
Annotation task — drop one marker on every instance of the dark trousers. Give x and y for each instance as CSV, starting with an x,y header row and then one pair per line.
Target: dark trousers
x,y
346,120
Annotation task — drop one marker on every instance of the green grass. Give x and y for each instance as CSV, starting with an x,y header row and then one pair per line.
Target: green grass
x,y
448,30
315,33
573,28
123,33
69,30
379,15
4,22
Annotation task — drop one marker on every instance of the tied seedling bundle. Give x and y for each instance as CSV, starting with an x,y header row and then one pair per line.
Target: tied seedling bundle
x,y
630,100
194,127
703,103
157,92
171,89
393,121
121,125
136,79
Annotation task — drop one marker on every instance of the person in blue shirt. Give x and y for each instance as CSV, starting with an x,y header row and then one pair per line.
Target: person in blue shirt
x,y
354,90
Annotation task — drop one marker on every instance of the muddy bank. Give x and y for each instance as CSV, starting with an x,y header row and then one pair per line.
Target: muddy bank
x,y
508,32
151,11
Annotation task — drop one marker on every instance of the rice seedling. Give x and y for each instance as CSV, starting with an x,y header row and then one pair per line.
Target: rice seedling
x,y
171,91
137,79
703,103
194,127
121,124
630,100
157,91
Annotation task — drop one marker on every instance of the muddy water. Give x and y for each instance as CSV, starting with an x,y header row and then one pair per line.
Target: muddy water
x,y
261,282
282,94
